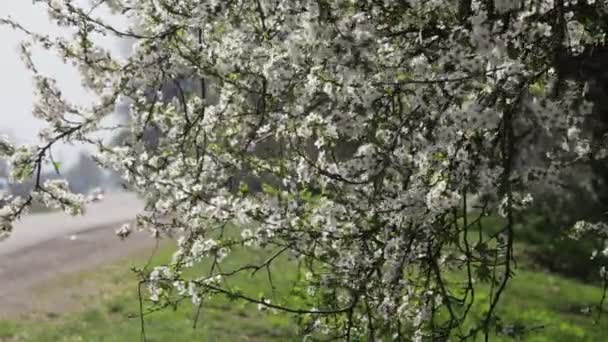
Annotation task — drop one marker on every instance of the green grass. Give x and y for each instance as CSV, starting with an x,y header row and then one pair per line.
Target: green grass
x,y
550,306
533,298
107,314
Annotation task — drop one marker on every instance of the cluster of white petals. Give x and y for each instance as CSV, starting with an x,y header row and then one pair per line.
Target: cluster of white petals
x,y
364,139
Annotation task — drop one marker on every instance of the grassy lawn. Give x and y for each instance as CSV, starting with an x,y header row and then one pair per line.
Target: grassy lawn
x,y
552,306
107,313
538,299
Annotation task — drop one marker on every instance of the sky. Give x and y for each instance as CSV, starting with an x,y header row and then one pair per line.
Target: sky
x,y
16,92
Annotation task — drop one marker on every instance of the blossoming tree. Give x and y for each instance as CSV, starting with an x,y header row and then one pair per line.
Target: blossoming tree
x,y
396,127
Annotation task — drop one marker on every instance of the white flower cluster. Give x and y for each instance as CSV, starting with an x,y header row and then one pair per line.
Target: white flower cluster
x,y
56,194
21,163
124,231
10,209
347,135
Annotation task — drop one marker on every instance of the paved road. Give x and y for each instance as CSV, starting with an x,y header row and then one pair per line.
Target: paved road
x,y
46,246
115,209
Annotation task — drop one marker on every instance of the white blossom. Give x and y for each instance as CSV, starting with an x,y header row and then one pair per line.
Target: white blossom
x,y
349,136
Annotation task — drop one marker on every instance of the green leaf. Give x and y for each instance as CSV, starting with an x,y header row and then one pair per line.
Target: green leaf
x,y
402,77
269,189
56,166
244,188
440,156
537,88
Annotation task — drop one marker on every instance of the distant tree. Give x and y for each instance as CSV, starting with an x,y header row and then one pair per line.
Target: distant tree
x,y
3,169
85,176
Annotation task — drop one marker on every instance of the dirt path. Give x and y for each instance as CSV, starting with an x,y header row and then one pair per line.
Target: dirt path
x,y
45,247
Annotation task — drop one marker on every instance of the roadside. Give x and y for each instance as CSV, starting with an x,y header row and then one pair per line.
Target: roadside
x,y
34,229
47,247
25,273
